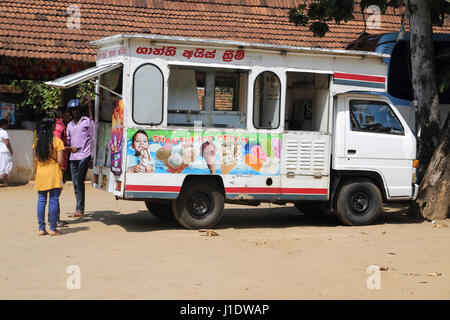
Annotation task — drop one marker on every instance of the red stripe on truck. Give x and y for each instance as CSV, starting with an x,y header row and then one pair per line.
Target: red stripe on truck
x,y
129,187
277,190
349,76
233,190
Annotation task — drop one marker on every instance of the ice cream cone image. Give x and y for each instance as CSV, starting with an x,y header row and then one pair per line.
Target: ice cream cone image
x,y
212,168
227,168
229,155
208,152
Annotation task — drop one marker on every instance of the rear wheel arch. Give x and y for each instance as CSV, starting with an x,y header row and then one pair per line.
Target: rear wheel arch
x,y
212,178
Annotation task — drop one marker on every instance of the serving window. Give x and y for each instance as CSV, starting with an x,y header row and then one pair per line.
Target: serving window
x,y
111,80
148,86
267,101
212,97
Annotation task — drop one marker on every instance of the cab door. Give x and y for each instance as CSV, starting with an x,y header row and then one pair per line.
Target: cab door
x,y
377,139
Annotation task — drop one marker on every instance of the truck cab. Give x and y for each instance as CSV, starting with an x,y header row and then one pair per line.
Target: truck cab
x,y
373,154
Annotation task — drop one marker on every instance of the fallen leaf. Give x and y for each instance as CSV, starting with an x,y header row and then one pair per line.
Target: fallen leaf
x,y
423,282
207,232
393,253
440,225
384,269
384,232
434,274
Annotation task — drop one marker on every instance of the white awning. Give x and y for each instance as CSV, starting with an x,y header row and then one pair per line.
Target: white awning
x,y
82,76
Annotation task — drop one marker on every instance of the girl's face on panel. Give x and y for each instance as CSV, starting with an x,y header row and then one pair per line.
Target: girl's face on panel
x,y
140,142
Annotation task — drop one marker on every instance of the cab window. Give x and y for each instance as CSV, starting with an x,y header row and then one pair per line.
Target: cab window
x,y
374,116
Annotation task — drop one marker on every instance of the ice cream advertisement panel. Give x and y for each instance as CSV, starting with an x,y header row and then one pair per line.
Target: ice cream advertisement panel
x,y
190,152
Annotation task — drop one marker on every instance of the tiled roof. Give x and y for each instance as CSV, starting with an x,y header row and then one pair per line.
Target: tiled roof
x,y
38,28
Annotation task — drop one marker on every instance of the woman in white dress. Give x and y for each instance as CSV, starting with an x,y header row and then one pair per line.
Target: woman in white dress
x,y
6,153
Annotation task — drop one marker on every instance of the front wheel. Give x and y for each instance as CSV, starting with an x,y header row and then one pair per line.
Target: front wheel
x,y
199,205
358,202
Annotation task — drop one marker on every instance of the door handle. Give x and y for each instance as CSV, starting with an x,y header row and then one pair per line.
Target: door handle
x,y
351,151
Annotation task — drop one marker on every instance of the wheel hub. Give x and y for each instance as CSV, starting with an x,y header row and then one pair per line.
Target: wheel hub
x,y
199,205
360,202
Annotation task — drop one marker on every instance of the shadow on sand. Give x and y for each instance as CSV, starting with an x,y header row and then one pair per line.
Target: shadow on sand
x,y
238,218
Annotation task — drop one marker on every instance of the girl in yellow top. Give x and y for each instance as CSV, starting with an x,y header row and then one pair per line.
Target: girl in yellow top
x,y
48,157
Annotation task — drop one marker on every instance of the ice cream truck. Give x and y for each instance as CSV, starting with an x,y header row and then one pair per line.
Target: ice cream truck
x,y
187,125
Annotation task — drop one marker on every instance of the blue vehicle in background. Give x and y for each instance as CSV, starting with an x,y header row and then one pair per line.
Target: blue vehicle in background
x,y
399,84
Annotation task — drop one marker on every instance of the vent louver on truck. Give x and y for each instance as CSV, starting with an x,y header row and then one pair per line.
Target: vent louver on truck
x,y
305,157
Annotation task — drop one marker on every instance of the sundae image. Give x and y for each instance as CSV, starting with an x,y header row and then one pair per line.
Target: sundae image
x,y
229,156
176,157
175,160
208,152
163,154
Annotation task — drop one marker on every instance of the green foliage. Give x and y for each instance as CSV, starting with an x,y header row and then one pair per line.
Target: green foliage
x,y
41,98
443,69
439,10
298,16
38,96
84,90
319,13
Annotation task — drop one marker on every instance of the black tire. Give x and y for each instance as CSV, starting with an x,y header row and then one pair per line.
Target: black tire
x,y
358,202
313,208
161,210
199,205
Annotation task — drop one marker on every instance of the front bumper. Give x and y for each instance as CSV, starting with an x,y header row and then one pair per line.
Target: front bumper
x,y
415,191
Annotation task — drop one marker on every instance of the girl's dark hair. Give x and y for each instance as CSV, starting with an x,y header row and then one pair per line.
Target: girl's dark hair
x,y
44,141
137,153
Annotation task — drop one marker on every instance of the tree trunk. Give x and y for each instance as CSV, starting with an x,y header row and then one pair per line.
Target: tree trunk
x,y
434,172
424,81
433,201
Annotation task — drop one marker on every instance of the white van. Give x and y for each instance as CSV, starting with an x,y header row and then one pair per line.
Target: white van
x,y
189,124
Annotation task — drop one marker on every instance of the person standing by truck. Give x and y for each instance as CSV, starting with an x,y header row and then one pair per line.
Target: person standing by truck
x,y
80,138
48,157
6,153
62,119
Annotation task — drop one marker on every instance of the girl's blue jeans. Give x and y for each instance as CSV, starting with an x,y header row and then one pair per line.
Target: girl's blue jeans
x,y
53,206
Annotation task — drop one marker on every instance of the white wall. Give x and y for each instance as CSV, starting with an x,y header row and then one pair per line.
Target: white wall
x,y
22,144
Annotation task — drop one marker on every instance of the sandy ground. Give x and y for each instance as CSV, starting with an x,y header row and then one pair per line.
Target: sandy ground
x,y
261,253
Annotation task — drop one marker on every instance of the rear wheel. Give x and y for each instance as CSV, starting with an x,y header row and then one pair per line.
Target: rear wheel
x,y
199,205
358,202
160,210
